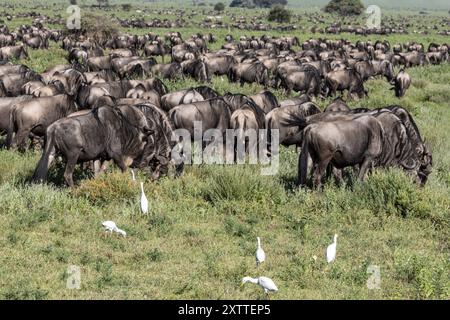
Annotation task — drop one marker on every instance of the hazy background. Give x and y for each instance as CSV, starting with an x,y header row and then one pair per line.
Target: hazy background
x,y
436,5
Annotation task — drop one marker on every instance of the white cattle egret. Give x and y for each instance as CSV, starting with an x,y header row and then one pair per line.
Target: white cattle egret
x,y
144,201
132,175
122,232
109,226
331,250
260,254
266,283
112,227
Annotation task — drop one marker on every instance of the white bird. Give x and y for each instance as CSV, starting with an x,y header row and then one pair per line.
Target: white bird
x,y
122,232
331,250
109,226
266,283
132,175
144,201
260,254
112,227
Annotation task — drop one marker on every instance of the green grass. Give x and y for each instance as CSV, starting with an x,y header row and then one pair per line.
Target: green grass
x,y
199,238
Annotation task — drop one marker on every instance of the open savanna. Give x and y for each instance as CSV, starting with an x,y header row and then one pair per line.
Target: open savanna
x,y
199,238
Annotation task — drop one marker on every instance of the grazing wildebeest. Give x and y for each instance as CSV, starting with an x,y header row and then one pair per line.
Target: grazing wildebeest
x,y
348,79
401,83
11,84
157,152
5,107
104,133
247,120
295,101
342,143
289,135
214,114
15,52
185,96
249,72
337,105
266,100
33,116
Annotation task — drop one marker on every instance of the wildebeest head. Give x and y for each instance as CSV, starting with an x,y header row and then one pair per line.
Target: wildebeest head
x,y
426,165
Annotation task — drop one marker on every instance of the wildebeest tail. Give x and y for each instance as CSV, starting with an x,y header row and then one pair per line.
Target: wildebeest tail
x,y
47,157
295,120
11,126
303,159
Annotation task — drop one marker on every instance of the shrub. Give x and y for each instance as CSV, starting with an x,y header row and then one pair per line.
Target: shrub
x,y
279,14
126,7
107,188
344,7
219,7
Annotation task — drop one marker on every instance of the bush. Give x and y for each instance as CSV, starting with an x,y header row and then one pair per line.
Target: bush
x,y
345,7
219,6
257,3
99,27
108,188
126,7
279,14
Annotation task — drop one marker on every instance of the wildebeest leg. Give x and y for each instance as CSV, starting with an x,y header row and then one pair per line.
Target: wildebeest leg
x,y
303,166
320,169
363,168
20,140
70,167
337,173
100,167
122,164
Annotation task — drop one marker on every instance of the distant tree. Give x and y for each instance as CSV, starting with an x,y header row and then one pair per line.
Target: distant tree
x,y
73,2
345,7
269,3
99,27
219,6
103,3
257,3
126,7
279,14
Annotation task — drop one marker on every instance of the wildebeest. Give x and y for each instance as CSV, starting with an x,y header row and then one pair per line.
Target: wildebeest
x,y
306,79
185,96
348,79
266,100
6,105
401,83
213,114
337,105
289,135
342,143
249,72
32,117
15,52
158,149
247,120
104,133
11,84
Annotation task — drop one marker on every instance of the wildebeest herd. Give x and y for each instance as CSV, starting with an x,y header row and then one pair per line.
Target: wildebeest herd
x,y
110,101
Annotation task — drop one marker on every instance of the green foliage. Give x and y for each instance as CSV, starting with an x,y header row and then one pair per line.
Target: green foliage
x,y
126,7
279,14
344,7
106,189
219,6
257,3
